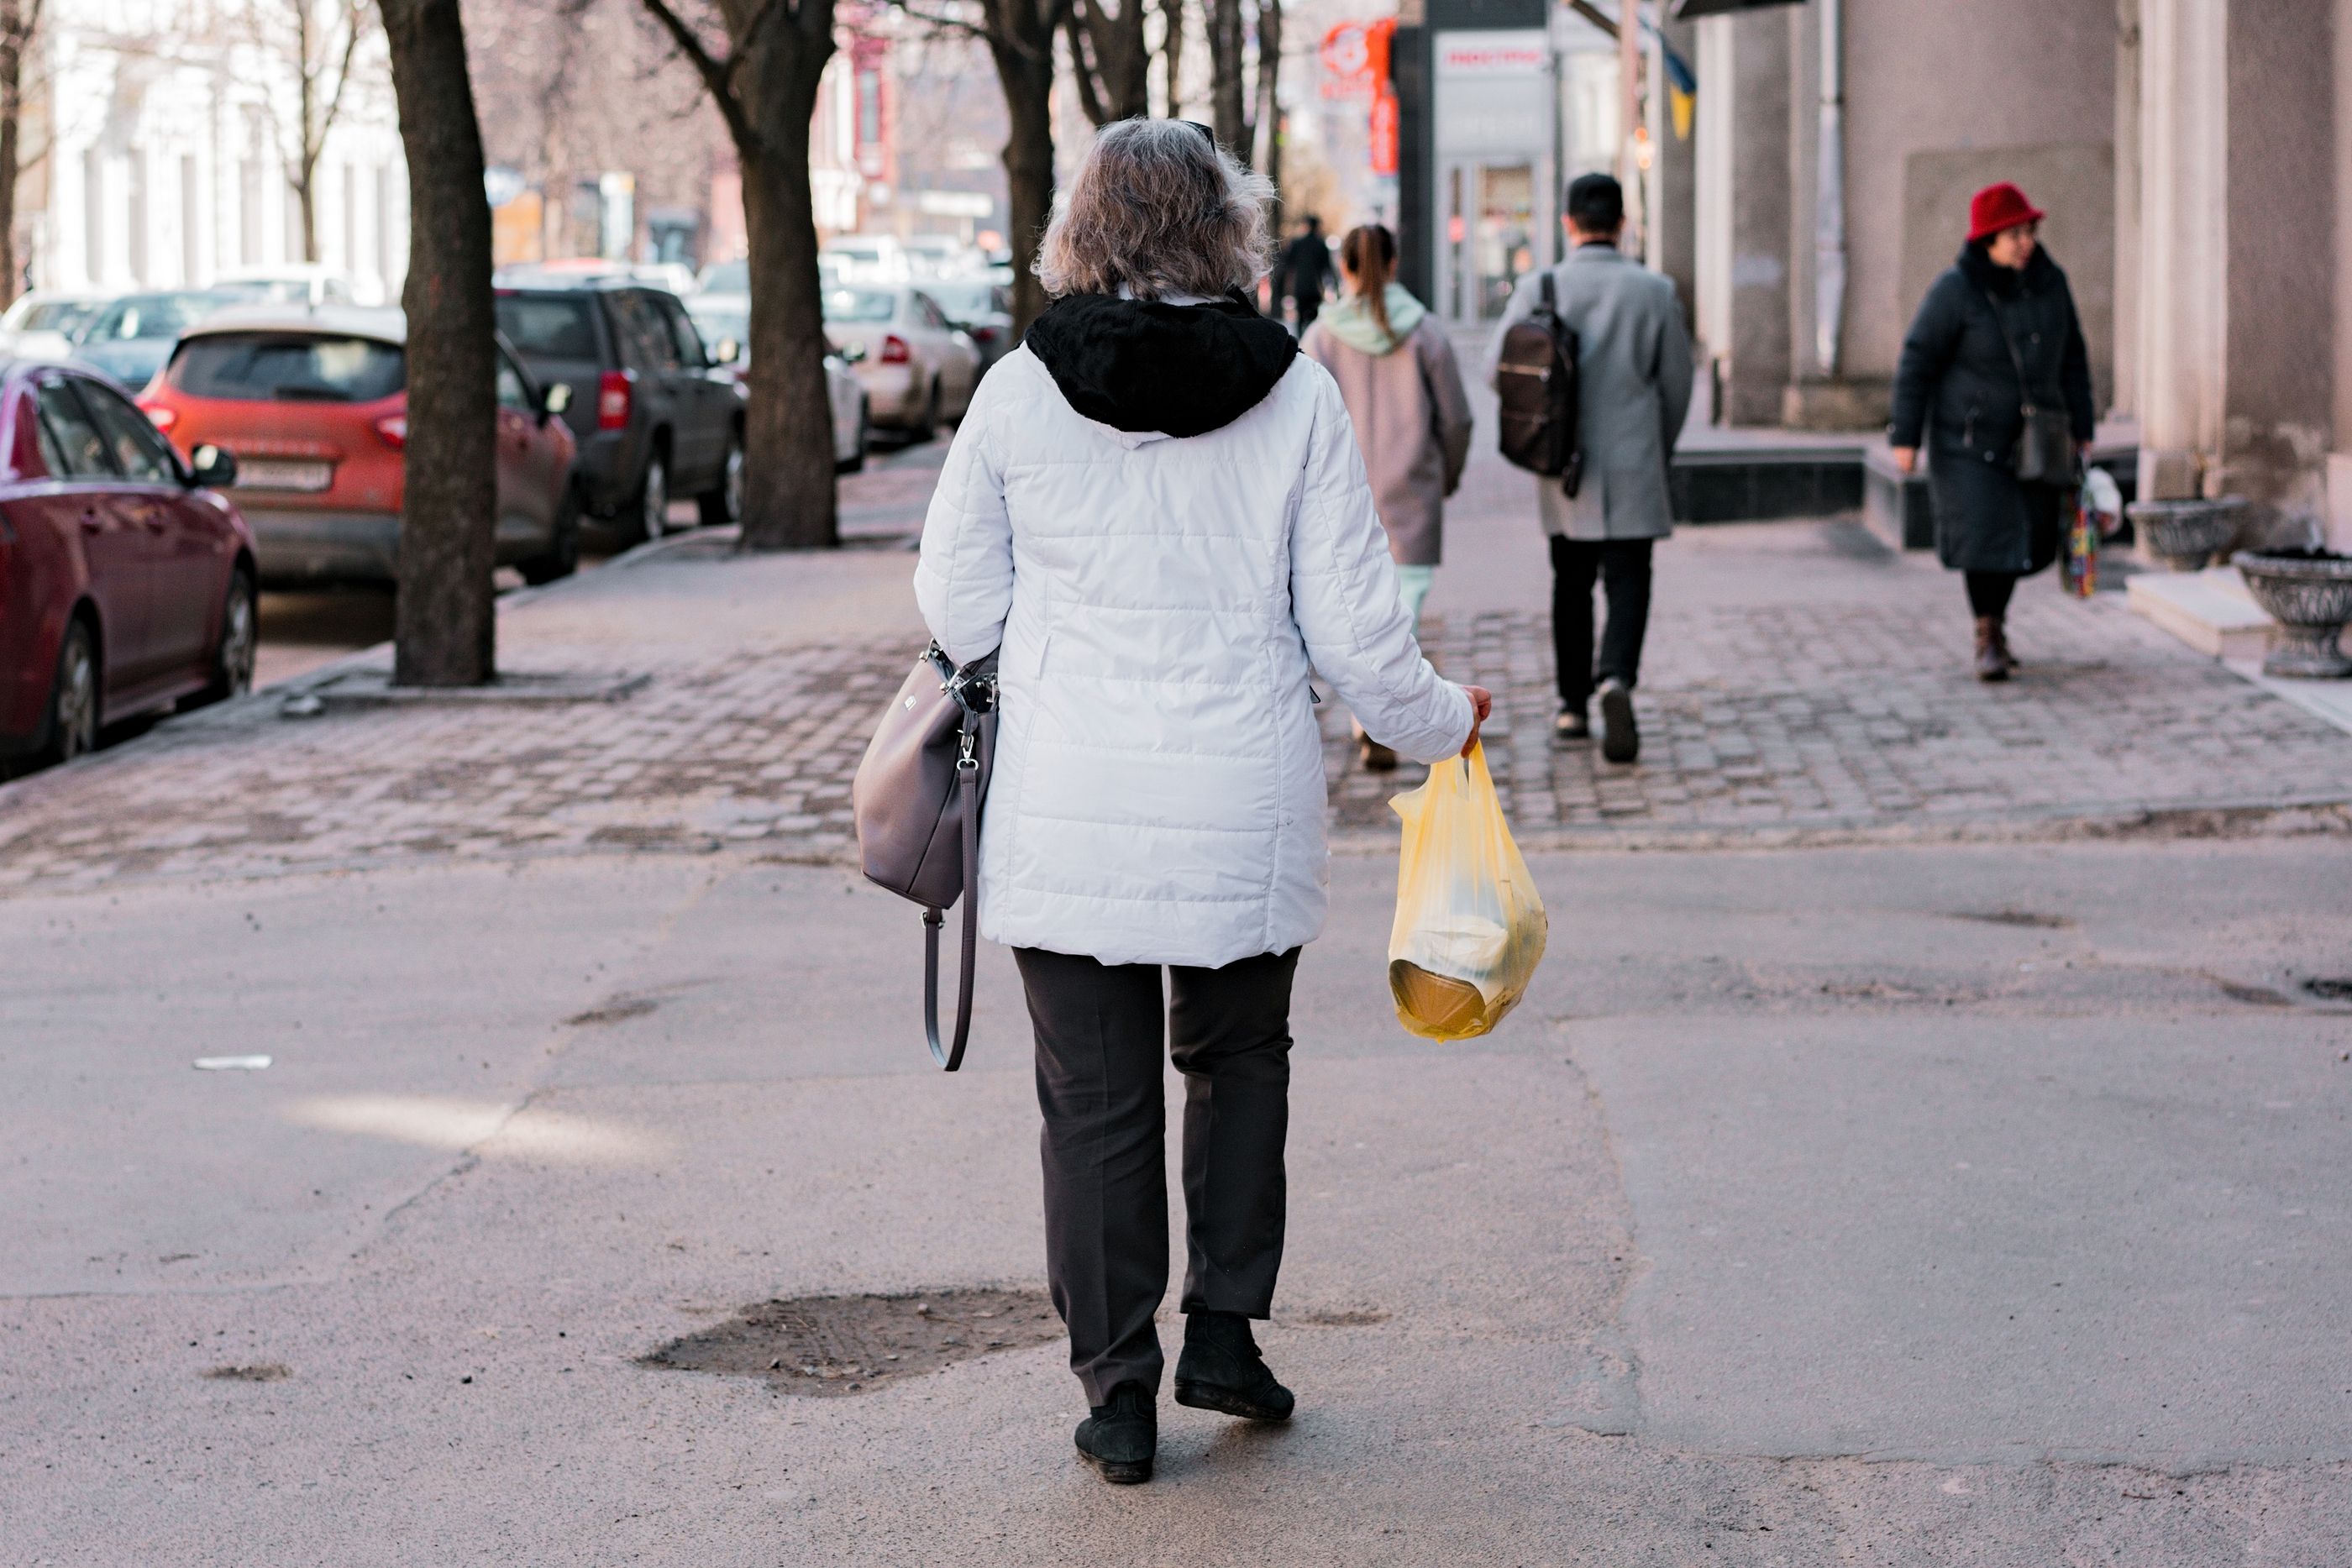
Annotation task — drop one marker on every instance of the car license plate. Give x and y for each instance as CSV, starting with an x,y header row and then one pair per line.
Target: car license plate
x,y
279,473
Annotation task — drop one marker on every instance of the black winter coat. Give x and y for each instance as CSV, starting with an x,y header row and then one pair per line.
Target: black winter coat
x,y
1957,394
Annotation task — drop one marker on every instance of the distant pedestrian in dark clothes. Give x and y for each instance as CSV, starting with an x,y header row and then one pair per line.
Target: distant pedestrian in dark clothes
x,y
1304,271
1957,392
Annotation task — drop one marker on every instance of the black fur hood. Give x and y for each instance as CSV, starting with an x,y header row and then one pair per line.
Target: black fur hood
x,y
1142,366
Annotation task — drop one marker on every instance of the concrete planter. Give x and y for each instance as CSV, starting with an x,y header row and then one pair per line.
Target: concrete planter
x,y
2185,535
2310,596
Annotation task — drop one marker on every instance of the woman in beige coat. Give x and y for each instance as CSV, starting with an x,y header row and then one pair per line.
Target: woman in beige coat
x,y
1396,373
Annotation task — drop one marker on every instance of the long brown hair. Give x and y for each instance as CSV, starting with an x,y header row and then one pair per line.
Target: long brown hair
x,y
1369,253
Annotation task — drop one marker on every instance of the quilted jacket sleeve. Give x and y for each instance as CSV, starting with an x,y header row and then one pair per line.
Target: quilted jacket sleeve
x,y
1343,595
963,579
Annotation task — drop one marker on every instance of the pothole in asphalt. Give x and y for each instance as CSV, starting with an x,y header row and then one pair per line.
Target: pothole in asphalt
x,y
831,1345
2025,917
258,1372
2330,988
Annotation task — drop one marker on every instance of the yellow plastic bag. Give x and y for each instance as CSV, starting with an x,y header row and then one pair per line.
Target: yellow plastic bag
x,y
1469,925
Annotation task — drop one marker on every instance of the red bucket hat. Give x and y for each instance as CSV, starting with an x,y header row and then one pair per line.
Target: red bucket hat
x,y
1999,207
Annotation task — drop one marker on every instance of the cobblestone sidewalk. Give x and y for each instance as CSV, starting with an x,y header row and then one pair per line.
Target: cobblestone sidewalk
x,y
1862,714
1843,710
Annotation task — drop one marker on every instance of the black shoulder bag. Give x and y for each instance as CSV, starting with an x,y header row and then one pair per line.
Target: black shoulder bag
x,y
2044,452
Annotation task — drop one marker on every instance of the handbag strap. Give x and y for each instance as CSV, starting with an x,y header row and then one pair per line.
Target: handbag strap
x,y
951,1057
2000,325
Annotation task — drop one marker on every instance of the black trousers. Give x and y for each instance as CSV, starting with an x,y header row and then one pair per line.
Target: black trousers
x,y
1624,568
1099,1028
1309,305
1988,592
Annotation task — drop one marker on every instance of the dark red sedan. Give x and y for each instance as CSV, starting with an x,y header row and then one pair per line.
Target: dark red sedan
x,y
126,583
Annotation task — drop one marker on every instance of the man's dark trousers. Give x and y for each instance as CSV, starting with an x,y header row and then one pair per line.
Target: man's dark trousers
x,y
1623,567
1308,307
1099,1029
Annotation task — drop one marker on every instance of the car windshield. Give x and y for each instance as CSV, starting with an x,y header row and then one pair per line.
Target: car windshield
x,y
963,300
52,315
287,366
729,277
860,304
557,327
152,316
718,323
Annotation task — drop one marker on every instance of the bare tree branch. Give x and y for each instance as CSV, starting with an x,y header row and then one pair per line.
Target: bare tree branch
x,y
717,75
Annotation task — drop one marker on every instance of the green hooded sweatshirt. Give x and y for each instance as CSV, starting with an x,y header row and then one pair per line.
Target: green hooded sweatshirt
x,y
1352,322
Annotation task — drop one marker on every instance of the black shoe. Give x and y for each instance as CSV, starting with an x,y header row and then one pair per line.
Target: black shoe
x,y
1221,1369
1571,725
1119,1437
1620,740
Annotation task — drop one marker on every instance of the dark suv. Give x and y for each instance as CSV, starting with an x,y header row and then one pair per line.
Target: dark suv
x,y
656,416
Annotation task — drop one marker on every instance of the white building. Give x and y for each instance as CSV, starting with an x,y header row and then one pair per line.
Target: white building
x,y
173,126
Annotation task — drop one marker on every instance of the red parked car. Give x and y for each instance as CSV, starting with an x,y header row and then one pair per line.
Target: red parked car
x,y
312,403
126,582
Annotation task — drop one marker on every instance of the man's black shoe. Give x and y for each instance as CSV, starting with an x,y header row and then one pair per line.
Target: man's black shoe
x,y
1571,725
1619,741
1221,1369
1119,1437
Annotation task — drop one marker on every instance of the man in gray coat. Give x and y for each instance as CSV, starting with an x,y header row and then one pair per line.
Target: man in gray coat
x,y
1633,375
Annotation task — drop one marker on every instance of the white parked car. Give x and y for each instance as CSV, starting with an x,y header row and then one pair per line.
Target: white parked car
x,y
863,258
42,323
724,321
295,284
918,368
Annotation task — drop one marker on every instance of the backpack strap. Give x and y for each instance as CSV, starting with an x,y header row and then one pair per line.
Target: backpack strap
x,y
1550,297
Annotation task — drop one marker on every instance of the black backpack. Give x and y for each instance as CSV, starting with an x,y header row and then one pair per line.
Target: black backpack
x,y
1536,379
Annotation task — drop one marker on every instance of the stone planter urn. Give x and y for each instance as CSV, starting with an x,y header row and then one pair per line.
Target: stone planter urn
x,y
2309,594
2185,535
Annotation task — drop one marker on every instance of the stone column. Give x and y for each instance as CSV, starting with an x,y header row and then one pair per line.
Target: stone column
x,y
2237,273
2127,195
2339,464
1742,228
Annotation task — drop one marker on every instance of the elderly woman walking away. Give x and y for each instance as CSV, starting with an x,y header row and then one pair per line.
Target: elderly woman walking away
x,y
1155,507
1996,336
1396,373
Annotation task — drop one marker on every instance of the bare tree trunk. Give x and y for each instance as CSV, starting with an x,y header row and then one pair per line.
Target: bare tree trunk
x,y
1112,63
1269,100
1027,76
1171,56
765,89
789,497
445,630
306,110
1228,92
18,19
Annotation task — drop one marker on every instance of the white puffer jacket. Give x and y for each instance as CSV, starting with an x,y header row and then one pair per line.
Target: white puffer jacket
x,y
1157,795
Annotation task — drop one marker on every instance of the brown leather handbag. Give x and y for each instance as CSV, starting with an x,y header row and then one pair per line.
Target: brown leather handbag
x,y
917,800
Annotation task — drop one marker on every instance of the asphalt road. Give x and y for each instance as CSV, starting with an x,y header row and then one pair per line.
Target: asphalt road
x,y
1962,1205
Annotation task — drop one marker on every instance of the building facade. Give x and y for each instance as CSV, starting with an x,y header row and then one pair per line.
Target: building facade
x,y
172,129
2195,158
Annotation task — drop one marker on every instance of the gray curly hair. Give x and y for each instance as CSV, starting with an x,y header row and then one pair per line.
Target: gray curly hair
x,y
1160,208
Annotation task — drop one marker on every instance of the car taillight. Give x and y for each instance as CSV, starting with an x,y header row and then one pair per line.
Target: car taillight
x,y
393,428
615,391
895,351
162,416
984,334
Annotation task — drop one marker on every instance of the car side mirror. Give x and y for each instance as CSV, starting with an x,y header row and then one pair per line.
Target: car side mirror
x,y
212,467
726,351
555,399
852,353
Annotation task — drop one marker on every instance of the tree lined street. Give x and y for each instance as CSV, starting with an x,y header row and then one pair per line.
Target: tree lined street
x,y
1966,1198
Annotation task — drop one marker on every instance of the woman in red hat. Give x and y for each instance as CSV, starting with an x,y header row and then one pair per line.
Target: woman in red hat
x,y
1996,336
